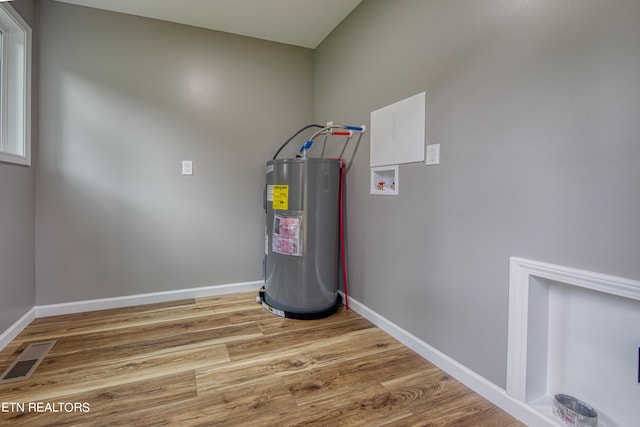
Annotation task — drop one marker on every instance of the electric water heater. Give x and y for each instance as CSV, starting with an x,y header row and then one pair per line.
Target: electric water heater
x,y
302,236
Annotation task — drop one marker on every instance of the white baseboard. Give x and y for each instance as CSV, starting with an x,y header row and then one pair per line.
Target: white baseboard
x,y
14,330
141,299
119,302
496,395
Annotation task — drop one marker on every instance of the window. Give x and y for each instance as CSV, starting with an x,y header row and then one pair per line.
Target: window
x,y
15,87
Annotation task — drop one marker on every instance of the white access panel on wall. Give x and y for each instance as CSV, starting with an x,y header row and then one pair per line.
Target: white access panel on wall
x,y
398,132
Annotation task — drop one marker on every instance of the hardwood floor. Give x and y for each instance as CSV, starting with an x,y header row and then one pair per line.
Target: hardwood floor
x,y
225,361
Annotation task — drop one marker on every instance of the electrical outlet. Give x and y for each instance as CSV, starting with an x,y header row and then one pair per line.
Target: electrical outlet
x,y
433,154
187,167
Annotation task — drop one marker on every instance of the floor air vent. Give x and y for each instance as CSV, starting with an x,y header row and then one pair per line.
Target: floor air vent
x,y
26,364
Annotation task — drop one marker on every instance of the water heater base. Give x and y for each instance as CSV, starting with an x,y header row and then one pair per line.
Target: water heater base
x,y
300,316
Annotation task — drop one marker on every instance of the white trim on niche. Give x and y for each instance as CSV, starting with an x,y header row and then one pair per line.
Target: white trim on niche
x,y
525,330
521,271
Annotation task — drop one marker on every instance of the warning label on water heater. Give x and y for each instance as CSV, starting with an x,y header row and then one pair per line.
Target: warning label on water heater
x,y
280,197
286,237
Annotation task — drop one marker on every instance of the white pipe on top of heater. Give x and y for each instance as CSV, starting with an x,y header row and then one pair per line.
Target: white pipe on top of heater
x,y
333,130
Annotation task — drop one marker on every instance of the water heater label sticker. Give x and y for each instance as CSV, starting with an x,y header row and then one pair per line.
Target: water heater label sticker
x,y
269,193
286,235
280,197
273,310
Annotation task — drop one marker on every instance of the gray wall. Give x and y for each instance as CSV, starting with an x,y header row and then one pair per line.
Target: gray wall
x,y
536,106
123,101
17,283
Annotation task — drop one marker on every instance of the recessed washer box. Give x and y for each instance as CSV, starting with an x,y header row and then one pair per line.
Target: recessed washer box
x,y
385,180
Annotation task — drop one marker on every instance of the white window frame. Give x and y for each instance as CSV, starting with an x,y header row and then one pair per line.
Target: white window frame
x,y
15,110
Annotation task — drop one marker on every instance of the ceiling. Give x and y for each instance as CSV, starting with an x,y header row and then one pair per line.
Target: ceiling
x,y
298,22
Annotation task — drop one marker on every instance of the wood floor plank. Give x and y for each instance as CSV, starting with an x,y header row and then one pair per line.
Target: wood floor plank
x,y
240,302
371,405
466,410
277,325
448,401
297,359
225,361
105,320
293,339
237,407
346,376
9,353
114,402
131,341
72,352
81,379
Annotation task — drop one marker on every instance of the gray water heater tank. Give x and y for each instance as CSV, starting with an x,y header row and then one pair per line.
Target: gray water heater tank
x,y
301,235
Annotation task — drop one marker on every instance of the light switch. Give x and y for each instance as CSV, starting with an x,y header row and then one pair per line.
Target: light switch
x,y
187,167
433,154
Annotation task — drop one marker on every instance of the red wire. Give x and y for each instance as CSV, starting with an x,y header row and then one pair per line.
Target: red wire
x,y
342,241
